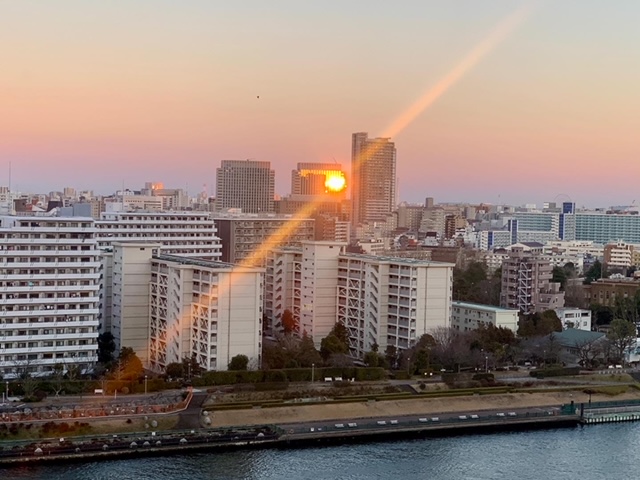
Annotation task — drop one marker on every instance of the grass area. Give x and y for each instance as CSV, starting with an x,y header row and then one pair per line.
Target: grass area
x,y
611,390
616,377
36,431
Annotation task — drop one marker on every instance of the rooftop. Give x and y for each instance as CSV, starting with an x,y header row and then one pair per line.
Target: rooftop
x,y
402,260
572,337
480,306
201,262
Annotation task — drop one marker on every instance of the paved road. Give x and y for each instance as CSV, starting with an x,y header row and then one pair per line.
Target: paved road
x,y
413,420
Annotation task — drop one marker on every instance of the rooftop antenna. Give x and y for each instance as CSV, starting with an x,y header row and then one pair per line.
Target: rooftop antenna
x,y
9,176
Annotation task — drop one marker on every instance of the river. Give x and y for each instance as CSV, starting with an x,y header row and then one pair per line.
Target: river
x,y
610,451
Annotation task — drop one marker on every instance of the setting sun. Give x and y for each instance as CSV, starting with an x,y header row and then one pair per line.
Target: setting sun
x,y
335,183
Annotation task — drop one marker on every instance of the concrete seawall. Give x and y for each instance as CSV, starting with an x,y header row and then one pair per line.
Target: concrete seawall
x,y
199,442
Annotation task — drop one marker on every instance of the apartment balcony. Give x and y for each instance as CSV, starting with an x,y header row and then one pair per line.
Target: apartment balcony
x,y
40,313
50,276
49,337
49,301
49,288
55,349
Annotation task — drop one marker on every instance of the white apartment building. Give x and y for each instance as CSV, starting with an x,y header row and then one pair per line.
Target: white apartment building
x,y
210,309
470,316
577,318
49,271
392,301
129,302
304,280
381,300
190,234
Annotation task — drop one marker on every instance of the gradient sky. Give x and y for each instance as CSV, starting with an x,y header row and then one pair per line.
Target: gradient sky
x,y
95,93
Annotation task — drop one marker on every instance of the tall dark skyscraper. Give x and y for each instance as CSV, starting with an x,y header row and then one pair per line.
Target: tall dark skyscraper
x,y
373,178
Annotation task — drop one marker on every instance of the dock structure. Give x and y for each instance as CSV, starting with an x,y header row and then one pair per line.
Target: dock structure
x,y
610,412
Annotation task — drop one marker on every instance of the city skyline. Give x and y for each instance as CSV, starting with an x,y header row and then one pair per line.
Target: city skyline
x,y
181,88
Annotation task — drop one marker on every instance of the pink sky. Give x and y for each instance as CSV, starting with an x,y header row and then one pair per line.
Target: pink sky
x,y
94,93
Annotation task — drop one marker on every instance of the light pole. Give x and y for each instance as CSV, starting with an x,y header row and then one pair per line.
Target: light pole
x,y
7,389
313,372
486,364
145,384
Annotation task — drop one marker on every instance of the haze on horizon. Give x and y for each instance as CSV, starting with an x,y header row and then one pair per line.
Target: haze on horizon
x,y
94,93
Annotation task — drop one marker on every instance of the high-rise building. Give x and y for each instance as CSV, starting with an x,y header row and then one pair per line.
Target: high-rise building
x,y
245,184
373,178
319,179
49,271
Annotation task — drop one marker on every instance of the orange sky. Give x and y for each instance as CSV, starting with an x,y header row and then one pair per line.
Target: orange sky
x,y
94,93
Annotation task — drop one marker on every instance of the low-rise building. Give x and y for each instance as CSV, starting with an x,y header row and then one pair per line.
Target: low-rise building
x,y
577,318
470,316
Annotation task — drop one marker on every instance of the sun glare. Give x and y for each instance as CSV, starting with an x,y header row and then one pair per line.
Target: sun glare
x,y
335,183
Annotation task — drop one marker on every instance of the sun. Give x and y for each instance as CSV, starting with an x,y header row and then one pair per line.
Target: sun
x,y
335,182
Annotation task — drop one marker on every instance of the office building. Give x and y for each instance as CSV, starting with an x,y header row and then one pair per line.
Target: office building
x,y
247,185
49,272
319,180
373,178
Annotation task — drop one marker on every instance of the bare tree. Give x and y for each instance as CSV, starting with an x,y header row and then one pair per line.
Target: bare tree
x,y
589,352
24,372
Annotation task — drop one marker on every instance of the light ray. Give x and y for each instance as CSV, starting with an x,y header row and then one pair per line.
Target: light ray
x,y
481,50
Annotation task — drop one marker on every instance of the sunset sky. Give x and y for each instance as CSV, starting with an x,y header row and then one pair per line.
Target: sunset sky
x,y
94,93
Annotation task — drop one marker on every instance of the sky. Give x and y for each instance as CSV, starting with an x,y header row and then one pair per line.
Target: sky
x,y
95,94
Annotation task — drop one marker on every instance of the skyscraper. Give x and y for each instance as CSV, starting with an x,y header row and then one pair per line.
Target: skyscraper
x,y
245,184
373,178
319,179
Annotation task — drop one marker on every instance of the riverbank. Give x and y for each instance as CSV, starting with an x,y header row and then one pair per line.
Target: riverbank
x,y
389,408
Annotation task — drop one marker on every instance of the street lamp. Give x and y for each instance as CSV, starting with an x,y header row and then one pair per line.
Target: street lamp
x,y
145,384
486,364
313,371
7,388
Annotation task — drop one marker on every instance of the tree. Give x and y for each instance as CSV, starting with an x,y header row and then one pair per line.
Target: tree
x,y
332,345
191,367
539,324
622,335
307,354
589,352
559,275
371,359
595,272
239,362
106,347
174,370
289,324
129,366
340,331
391,356
57,378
